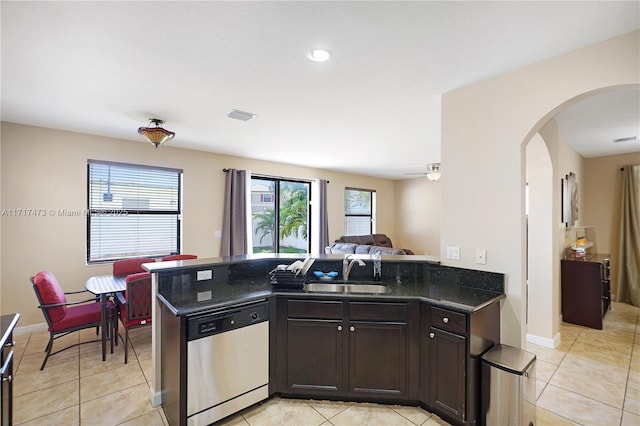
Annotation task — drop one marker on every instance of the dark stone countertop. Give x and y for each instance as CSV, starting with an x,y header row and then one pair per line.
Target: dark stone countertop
x,y
245,279
463,299
7,324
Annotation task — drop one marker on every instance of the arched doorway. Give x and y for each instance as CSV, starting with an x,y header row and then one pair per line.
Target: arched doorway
x,y
547,161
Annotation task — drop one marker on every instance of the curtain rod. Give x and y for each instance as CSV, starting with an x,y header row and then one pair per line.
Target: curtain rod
x,y
276,177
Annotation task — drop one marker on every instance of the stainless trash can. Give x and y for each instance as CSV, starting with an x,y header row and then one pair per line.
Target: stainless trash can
x,y
508,383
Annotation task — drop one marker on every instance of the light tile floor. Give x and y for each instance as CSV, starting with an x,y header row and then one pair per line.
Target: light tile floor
x,y
592,378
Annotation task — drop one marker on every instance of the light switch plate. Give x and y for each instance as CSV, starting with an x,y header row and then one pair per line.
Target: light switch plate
x,y
453,253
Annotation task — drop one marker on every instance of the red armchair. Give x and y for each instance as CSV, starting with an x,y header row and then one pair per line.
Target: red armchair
x,y
135,305
130,266
66,317
179,257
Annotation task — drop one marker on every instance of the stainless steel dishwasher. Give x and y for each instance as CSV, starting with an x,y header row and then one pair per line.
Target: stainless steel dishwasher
x,y
227,362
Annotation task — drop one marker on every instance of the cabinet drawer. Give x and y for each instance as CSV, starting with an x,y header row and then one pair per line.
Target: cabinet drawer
x,y
448,320
320,309
371,311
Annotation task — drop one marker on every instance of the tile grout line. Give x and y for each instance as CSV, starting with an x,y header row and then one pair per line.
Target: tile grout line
x,y
626,386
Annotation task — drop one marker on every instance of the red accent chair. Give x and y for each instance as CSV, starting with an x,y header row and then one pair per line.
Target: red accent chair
x,y
179,257
130,266
135,305
66,317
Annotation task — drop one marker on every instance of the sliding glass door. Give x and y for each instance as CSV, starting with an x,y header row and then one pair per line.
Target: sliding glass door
x,y
280,218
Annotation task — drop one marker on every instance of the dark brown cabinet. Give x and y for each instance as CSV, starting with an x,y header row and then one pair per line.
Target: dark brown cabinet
x,y
586,291
344,348
451,344
447,368
314,355
378,362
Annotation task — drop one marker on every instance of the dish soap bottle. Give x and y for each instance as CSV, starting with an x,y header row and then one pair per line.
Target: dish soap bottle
x,y
377,267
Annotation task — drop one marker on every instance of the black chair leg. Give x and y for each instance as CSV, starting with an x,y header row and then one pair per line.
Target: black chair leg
x,y
49,344
126,344
48,351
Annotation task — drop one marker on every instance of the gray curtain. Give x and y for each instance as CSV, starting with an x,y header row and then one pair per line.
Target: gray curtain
x,y
628,280
324,216
234,220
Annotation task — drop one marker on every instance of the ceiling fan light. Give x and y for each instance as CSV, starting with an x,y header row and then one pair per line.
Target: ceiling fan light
x,y
156,135
433,171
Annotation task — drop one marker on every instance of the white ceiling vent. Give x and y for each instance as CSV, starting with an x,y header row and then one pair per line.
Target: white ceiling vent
x,y
240,115
627,139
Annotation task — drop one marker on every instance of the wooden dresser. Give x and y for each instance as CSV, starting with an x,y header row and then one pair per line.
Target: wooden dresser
x,y
586,290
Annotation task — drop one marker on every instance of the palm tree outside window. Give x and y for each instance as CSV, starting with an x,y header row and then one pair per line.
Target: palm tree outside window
x,y
280,215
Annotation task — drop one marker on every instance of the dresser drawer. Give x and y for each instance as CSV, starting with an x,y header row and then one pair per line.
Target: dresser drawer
x,y
448,320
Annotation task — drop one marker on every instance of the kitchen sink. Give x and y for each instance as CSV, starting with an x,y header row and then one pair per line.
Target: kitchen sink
x,y
357,287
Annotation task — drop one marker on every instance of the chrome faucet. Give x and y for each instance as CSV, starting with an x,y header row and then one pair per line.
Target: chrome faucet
x,y
346,266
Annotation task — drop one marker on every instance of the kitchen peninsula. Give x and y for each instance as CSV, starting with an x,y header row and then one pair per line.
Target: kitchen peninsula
x,y
417,343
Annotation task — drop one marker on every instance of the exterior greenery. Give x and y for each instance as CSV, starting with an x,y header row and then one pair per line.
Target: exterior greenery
x,y
292,215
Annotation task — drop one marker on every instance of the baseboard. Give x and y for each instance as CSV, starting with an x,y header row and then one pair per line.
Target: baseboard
x,y
544,341
155,397
27,329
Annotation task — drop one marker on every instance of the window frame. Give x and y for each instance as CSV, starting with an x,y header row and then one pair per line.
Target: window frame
x,y
125,212
277,180
372,211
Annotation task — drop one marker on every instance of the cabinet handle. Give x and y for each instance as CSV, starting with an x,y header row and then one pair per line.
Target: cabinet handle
x,y
445,320
352,328
339,328
432,335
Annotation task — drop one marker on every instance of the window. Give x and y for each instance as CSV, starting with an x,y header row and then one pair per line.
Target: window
x,y
282,205
359,211
133,211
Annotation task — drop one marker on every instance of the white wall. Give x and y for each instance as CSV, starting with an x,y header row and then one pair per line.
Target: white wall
x,y
485,127
542,324
418,211
601,197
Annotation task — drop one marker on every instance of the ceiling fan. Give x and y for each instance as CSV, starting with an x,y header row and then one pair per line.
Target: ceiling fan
x,y
432,173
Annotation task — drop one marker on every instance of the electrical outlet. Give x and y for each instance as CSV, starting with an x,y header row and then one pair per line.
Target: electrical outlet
x,y
453,253
204,275
481,256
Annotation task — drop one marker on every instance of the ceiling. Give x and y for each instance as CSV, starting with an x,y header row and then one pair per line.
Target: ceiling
x,y
105,68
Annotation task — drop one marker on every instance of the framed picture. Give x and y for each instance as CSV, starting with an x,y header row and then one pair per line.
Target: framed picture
x,y
569,200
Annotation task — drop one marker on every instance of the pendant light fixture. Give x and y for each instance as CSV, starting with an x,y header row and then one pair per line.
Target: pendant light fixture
x,y
156,134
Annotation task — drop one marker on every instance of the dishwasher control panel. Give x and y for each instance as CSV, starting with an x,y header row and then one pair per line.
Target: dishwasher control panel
x,y
228,319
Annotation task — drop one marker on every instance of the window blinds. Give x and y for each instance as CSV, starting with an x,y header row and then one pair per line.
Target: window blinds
x,y
133,211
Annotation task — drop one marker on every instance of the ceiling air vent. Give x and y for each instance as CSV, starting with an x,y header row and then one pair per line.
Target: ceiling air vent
x,y
241,115
627,139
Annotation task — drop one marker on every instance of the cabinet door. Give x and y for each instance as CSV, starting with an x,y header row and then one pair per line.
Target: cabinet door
x,y
447,372
378,362
314,356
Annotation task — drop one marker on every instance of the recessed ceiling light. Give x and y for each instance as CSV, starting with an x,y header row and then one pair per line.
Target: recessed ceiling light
x,y
319,55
